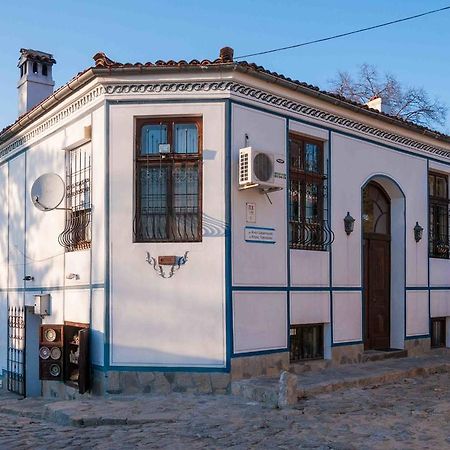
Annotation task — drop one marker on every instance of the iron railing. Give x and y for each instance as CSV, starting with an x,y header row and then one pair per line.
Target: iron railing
x,y
16,350
311,234
439,245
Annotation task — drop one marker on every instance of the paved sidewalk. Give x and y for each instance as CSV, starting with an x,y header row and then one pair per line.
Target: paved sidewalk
x,y
307,384
410,414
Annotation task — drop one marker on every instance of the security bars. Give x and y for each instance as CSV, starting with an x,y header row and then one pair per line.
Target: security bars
x,y
168,180
308,187
439,243
77,232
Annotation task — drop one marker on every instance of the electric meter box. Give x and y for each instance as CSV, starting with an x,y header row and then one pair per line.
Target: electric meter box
x,y
42,304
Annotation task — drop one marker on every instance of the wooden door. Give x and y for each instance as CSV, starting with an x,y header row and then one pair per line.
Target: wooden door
x,y
377,268
377,293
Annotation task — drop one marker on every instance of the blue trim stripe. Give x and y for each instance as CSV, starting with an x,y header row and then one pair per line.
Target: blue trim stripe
x,y
261,352
228,236
159,369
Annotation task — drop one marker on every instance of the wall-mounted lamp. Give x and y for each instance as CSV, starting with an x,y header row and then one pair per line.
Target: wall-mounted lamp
x,y
349,223
418,232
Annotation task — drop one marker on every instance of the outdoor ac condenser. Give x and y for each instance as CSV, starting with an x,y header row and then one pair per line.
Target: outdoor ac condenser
x,y
260,169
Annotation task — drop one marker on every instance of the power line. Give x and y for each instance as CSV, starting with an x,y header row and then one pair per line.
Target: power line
x,y
329,38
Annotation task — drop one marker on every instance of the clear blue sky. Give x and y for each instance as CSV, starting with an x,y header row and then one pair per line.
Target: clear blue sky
x,y
417,52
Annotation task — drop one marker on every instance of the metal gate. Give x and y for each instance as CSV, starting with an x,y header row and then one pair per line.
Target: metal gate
x,y
16,350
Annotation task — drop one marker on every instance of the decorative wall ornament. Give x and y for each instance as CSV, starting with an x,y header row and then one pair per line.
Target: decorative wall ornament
x,y
275,100
74,107
159,268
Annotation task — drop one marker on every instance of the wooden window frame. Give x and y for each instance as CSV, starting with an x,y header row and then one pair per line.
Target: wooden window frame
x,y
305,178
170,160
435,201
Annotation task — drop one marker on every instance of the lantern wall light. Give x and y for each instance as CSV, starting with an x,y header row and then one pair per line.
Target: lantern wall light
x,y
349,223
418,232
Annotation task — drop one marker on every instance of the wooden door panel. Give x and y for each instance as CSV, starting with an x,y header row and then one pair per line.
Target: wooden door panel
x,y
377,293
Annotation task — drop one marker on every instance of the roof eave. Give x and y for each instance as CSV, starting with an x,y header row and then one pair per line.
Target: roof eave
x,y
47,104
344,104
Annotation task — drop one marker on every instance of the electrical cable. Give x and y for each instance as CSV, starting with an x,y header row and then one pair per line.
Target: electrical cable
x,y
336,36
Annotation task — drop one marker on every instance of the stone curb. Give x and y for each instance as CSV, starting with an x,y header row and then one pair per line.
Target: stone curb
x,y
364,381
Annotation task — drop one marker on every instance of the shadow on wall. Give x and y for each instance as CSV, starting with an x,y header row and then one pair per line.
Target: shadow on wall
x,y
213,227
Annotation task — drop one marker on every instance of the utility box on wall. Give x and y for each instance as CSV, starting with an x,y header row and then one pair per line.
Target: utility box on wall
x,y
42,304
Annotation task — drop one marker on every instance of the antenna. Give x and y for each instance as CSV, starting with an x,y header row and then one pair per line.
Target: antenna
x,y
47,192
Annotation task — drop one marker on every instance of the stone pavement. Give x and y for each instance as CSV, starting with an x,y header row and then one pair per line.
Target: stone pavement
x,y
410,413
306,384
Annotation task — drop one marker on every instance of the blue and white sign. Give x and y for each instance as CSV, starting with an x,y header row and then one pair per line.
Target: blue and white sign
x,y
260,235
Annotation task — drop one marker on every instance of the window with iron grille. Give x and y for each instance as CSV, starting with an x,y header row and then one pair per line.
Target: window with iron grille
x,y
77,231
308,224
168,180
439,243
306,342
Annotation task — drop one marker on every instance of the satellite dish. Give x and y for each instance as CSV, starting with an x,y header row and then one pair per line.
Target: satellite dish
x,y
47,192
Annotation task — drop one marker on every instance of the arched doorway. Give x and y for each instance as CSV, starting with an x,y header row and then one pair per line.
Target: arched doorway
x,y
376,222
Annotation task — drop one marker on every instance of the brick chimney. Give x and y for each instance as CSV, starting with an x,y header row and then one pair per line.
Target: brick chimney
x,y
375,103
36,81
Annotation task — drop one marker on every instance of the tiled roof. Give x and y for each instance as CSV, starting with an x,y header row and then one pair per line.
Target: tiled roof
x,y
225,60
226,57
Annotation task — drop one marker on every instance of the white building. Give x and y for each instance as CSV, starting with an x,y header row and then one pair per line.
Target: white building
x,y
185,279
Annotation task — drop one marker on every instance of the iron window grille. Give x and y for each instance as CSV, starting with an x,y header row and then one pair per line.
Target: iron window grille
x,y
439,243
308,192
168,180
306,342
77,232
438,332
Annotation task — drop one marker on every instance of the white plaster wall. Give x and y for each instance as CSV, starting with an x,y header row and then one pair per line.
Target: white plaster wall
x,y
310,268
417,321
440,303
98,326
3,226
98,196
76,305
3,331
353,163
347,316
308,130
309,307
177,321
259,321
45,257
16,242
258,264
439,272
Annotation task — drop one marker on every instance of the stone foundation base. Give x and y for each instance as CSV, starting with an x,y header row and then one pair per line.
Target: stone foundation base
x,y
418,347
115,382
271,365
135,383
347,354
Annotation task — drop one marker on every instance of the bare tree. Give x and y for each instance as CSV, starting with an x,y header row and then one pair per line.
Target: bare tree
x,y
409,103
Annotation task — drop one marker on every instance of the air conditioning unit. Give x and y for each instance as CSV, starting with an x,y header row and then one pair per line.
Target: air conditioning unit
x,y
263,170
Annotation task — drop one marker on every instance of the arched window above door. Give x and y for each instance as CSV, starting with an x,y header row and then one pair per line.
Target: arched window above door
x,y
376,210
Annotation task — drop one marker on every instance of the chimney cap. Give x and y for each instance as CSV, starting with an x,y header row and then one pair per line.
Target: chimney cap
x,y
226,54
35,55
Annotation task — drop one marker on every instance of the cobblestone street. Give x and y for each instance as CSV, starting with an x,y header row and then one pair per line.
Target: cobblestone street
x,y
411,414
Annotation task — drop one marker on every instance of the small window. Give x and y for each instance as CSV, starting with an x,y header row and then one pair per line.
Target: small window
x,y
306,342
308,224
438,335
168,180
35,67
439,243
77,231
44,70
